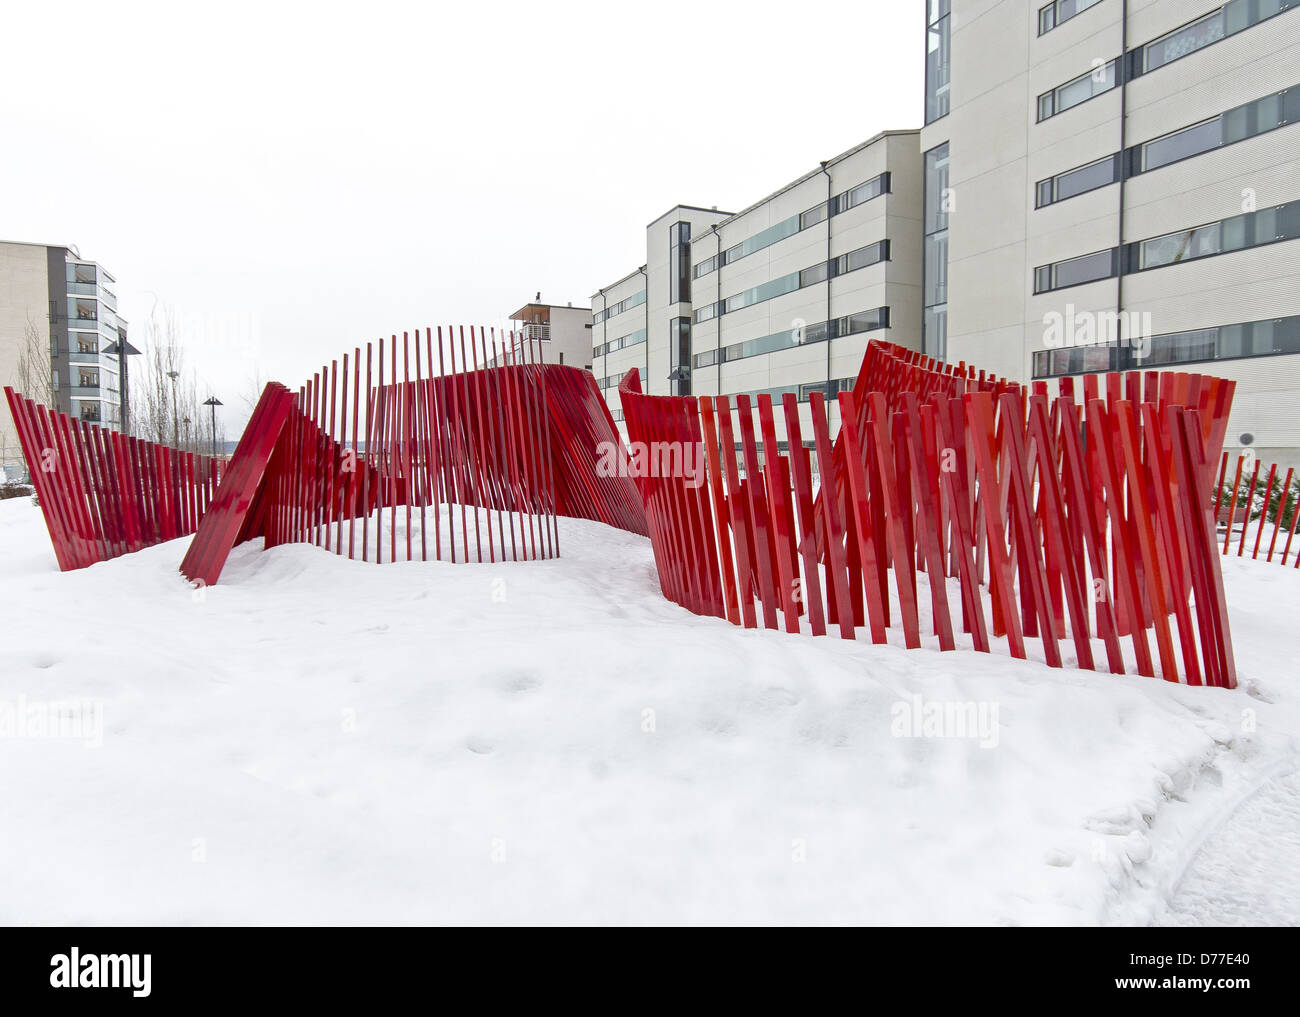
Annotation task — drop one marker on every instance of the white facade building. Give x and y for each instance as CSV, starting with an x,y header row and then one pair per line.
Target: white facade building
x,y
562,334
1115,184
781,297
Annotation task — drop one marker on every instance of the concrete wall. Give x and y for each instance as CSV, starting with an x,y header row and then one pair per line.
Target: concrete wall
x,y
24,297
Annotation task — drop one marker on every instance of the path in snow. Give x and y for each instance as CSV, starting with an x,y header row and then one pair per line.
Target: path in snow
x,y
1246,874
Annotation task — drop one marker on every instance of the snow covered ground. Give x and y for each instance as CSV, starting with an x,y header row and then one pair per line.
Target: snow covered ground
x,y
318,740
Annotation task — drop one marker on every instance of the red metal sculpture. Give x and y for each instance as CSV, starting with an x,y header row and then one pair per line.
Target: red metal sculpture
x,y
488,455
1078,522
103,493
1079,517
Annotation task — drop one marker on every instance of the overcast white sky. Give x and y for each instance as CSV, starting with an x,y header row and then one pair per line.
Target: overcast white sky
x,y
294,180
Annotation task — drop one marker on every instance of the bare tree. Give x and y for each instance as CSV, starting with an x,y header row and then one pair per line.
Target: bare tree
x,y
35,372
165,407
252,391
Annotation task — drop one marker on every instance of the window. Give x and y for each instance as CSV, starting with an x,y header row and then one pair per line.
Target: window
x,y
862,193
679,264
1077,181
938,59
88,378
765,238
679,356
561,359
813,216
81,309
934,286
765,291
1075,360
811,276
708,312
1096,81
1181,41
1181,144
55,379
862,257
706,266
863,321
1075,271
83,274
1061,11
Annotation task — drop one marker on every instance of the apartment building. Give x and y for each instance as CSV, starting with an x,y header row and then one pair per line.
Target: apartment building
x,y
562,334
62,308
780,297
1115,184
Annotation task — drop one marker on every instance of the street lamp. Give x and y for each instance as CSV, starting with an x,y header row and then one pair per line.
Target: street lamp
x,y
176,424
186,422
213,402
122,350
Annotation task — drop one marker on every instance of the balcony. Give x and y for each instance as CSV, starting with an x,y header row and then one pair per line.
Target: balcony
x,y
532,333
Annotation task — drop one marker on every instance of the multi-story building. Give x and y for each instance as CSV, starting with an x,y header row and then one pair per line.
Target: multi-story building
x,y
1098,185
781,297
562,334
59,309
1115,184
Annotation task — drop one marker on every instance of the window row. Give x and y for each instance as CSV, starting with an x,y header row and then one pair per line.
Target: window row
x,y
1252,229
1246,121
631,339
1233,17
1266,338
871,254
851,198
801,392
864,321
626,304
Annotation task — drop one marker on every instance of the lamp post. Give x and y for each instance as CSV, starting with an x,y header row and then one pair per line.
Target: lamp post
x,y
186,422
176,424
123,350
213,402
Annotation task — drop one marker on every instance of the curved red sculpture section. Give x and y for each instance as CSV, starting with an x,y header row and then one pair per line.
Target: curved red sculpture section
x,y
1080,519
489,456
103,493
